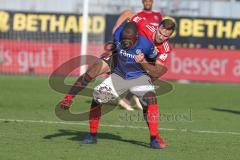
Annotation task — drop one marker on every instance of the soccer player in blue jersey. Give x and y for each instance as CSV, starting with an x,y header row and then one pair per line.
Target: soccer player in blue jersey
x,y
153,18
132,50
102,65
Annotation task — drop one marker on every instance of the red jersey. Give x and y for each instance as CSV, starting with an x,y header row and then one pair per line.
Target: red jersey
x,y
147,30
154,18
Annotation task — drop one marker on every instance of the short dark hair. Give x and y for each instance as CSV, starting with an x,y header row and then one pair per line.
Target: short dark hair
x,y
168,23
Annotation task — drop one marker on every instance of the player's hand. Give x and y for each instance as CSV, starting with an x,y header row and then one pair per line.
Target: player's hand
x,y
139,58
109,47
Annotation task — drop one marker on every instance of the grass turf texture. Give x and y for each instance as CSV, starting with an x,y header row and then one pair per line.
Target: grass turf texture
x,y
192,107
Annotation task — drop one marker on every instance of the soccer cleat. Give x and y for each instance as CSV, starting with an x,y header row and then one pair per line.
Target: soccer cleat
x,y
157,143
66,103
89,139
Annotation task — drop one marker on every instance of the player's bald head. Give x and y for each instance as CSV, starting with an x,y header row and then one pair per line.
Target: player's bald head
x,y
130,28
129,34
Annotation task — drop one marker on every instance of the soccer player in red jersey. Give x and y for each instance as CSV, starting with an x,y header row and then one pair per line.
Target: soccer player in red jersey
x,y
153,17
159,36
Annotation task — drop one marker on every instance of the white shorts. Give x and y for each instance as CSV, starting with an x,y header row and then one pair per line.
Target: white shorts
x,y
114,86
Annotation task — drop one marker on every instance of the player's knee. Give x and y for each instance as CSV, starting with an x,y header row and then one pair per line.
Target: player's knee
x,y
150,98
95,104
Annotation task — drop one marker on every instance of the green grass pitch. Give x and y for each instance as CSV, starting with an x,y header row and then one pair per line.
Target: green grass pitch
x,y
198,121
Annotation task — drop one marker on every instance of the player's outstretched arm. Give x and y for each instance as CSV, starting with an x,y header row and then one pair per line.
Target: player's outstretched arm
x,y
126,14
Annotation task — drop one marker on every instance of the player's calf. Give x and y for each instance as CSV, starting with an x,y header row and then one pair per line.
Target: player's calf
x,y
79,85
151,115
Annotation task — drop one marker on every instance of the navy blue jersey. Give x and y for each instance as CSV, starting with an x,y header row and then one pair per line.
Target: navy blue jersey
x,y
126,66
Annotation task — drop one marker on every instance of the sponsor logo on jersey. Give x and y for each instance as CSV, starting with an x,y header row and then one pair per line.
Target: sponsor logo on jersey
x,y
151,28
166,47
126,54
155,25
136,19
138,51
118,45
163,56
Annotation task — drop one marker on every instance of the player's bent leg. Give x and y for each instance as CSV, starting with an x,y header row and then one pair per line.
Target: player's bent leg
x,y
95,112
151,115
94,120
103,93
98,68
79,85
144,90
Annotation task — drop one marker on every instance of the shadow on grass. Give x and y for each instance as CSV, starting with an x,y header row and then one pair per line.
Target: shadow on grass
x,y
226,110
78,136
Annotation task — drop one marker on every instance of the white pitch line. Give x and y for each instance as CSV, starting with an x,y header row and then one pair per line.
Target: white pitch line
x,y
116,126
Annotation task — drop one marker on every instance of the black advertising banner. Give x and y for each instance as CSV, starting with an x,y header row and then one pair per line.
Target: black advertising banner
x,y
211,33
49,26
207,33
110,21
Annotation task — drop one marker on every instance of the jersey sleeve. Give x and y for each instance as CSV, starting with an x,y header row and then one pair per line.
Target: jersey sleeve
x,y
144,28
140,22
117,33
163,52
150,53
159,16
